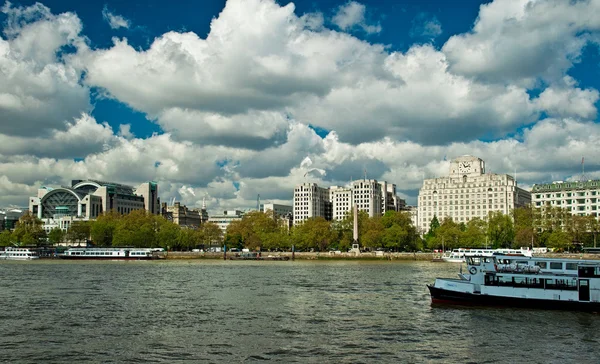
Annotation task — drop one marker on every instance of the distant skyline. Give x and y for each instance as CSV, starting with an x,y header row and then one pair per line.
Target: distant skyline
x,y
225,100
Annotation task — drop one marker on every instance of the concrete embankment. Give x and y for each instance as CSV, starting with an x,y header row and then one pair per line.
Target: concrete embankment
x,y
352,256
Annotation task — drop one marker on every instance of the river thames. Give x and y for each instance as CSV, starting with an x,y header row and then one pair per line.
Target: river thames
x,y
236,311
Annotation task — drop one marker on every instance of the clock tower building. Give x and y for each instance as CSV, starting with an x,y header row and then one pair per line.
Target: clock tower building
x,y
468,192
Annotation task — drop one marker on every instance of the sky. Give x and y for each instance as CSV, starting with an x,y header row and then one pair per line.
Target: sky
x,y
223,101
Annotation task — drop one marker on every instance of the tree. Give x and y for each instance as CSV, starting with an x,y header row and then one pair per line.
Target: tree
x,y
501,233
166,233
137,229
187,239
211,234
6,238
430,237
79,232
103,229
372,234
29,230
474,235
525,234
314,233
558,240
448,234
56,236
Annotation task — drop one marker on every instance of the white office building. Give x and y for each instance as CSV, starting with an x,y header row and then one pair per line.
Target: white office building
x,y
335,202
468,192
579,198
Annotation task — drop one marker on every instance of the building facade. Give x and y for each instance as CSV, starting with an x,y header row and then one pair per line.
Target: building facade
x,y
88,199
335,202
183,216
468,192
579,198
227,218
310,201
9,217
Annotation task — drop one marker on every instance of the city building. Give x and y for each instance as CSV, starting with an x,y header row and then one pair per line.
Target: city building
x,y
278,210
183,216
88,199
310,201
9,217
284,214
335,202
579,198
468,192
226,218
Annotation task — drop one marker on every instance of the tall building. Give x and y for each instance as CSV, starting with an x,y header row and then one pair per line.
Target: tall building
x,y
579,198
336,202
9,217
183,216
311,200
278,210
468,192
227,218
88,199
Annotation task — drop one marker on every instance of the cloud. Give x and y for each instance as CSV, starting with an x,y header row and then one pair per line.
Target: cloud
x,y
39,91
425,25
113,20
523,40
351,15
238,108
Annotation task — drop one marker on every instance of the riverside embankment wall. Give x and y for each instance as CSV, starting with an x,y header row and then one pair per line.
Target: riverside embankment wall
x,y
352,256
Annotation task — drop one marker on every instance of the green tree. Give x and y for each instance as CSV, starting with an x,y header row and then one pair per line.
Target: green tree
x,y
449,234
558,239
103,229
211,234
6,238
525,229
501,233
430,237
371,236
137,229
314,233
474,235
29,230
187,239
166,232
56,236
79,232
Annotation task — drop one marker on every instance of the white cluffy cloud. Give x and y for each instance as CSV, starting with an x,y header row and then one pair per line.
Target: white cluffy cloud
x,y
113,20
38,91
239,108
352,14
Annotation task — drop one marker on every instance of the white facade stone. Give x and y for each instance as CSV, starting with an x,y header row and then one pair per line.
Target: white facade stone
x,y
579,198
468,192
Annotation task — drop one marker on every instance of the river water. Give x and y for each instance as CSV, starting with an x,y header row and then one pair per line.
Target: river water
x,y
289,312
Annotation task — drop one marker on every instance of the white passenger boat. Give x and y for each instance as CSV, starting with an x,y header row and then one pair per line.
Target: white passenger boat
x,y
18,254
459,255
508,280
109,253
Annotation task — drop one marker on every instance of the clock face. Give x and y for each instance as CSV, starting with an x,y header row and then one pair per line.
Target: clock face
x,y
464,167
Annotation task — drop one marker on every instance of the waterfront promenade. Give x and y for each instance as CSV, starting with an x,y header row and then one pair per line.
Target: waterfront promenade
x,y
352,256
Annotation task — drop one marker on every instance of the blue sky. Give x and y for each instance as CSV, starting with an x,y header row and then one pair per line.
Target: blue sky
x,y
224,100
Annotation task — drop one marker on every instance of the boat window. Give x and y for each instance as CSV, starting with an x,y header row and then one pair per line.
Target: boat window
x,y
473,260
562,283
522,262
542,265
555,265
488,260
589,272
571,266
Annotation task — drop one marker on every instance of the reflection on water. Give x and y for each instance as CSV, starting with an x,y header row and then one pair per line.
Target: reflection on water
x,y
232,311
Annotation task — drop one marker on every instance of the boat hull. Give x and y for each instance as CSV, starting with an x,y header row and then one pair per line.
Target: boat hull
x,y
444,296
104,258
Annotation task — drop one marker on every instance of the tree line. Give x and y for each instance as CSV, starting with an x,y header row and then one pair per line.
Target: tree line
x,y
551,227
138,229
